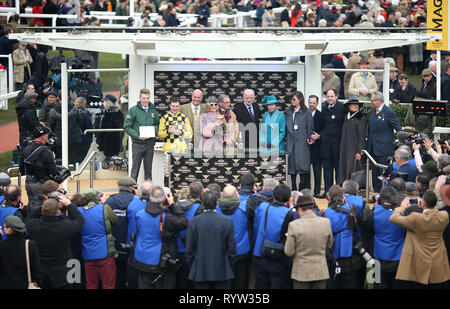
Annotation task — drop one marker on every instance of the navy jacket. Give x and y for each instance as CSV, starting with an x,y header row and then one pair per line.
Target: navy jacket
x,y
381,136
210,247
330,136
406,168
315,148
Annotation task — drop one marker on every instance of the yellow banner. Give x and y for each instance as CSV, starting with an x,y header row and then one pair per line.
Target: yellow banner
x,y
437,18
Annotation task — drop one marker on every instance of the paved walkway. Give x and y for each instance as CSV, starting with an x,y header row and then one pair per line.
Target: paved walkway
x,y
9,136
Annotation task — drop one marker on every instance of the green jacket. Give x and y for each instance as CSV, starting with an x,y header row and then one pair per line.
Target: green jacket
x,y
137,117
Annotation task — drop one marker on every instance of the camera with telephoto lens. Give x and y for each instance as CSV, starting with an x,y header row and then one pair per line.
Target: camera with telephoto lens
x,y
364,254
168,261
63,174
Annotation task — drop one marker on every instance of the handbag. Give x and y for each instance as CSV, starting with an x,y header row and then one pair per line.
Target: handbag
x,y
31,285
271,249
359,176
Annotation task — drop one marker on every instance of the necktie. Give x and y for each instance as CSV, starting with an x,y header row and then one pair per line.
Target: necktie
x,y
196,111
251,112
377,111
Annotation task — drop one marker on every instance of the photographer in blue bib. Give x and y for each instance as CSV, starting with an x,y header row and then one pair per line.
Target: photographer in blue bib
x,y
272,266
155,252
347,265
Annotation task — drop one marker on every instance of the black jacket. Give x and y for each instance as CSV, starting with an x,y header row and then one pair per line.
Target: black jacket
x,y
27,119
13,265
75,122
243,116
314,149
40,165
406,96
52,235
330,136
175,221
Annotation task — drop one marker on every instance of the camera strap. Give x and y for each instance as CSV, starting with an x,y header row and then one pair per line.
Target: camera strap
x,y
351,214
26,160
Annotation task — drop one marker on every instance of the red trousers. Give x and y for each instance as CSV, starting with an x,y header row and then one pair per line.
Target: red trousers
x,y
105,269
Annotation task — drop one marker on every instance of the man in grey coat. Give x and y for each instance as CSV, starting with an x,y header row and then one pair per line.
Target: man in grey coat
x,y
330,80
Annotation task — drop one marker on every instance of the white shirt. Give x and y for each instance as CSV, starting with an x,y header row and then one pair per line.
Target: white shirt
x,y
426,210
313,112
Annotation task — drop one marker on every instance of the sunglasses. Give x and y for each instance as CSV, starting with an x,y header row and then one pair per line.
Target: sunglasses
x,y
213,104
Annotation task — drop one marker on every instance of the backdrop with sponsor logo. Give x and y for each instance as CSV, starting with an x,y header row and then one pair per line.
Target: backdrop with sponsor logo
x,y
166,79
214,80
223,171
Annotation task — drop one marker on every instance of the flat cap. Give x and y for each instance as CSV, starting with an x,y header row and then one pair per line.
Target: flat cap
x,y
393,69
15,223
426,72
29,95
126,181
91,195
23,43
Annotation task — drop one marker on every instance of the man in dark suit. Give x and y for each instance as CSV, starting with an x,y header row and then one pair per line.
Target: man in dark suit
x,y
382,122
248,113
210,246
316,162
330,138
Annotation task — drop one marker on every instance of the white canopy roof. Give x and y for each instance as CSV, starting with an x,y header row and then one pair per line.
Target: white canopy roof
x,y
225,44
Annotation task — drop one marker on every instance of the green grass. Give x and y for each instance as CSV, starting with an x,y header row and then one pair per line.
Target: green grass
x,y
111,80
5,161
7,116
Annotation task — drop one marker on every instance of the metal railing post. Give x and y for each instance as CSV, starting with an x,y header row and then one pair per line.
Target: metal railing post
x,y
367,181
386,83
91,173
10,74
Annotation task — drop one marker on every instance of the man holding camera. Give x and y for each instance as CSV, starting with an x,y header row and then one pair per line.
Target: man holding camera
x,y
52,234
423,261
119,204
155,251
349,270
97,240
38,163
386,239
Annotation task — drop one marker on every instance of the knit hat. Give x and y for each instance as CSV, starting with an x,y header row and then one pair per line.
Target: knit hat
x,y
40,131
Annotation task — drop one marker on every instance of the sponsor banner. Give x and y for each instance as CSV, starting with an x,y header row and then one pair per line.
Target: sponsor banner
x,y
182,84
223,171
